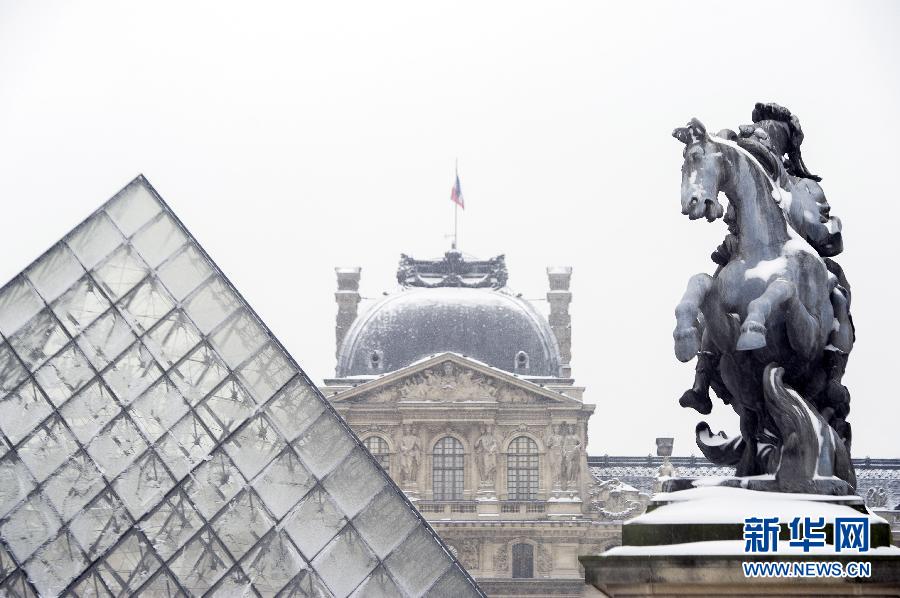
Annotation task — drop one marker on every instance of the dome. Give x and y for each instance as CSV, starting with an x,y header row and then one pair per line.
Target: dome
x,y
489,325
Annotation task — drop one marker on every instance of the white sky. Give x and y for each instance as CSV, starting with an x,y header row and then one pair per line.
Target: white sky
x,y
291,139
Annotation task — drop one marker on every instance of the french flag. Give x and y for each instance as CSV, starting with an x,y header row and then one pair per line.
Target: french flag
x,y
456,195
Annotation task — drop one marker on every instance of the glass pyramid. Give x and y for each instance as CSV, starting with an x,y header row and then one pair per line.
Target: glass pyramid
x,y
157,439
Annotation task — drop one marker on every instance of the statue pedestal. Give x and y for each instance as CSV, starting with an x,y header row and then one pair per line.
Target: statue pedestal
x,y
486,494
765,483
486,504
568,503
692,542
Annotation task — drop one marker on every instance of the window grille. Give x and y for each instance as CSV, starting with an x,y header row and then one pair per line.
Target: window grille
x,y
448,469
522,469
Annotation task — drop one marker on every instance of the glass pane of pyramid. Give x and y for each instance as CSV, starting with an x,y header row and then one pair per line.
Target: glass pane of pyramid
x,y
157,440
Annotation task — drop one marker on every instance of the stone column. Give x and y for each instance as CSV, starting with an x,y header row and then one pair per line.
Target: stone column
x,y
559,297
347,298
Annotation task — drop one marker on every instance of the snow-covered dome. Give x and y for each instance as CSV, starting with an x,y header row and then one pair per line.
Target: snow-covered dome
x,y
487,324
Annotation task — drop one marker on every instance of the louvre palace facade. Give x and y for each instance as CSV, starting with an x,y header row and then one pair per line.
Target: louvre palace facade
x,y
464,393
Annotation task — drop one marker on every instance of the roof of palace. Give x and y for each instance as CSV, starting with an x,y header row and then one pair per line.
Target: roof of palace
x,y
641,472
157,439
450,305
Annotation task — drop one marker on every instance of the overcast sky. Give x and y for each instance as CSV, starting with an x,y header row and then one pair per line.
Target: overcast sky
x,y
291,139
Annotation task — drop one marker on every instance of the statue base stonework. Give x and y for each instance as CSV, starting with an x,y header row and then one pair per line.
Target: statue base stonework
x,y
692,542
486,494
567,505
764,483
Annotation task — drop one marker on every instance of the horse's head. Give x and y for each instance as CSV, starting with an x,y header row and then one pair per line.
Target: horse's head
x,y
701,172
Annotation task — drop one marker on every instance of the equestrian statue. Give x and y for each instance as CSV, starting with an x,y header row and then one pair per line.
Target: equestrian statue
x,y
771,328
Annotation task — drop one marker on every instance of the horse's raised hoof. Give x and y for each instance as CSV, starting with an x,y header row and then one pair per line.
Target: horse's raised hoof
x,y
692,399
753,336
687,344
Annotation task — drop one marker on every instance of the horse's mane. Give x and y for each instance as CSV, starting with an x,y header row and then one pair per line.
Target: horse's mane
x,y
760,156
771,163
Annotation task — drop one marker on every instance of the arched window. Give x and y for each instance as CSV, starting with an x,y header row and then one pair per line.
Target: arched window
x,y
522,560
449,468
378,446
522,469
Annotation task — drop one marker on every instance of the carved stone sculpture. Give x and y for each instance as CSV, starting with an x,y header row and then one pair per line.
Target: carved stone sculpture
x,y
571,456
410,456
771,327
486,449
501,558
447,383
554,443
877,498
544,560
469,552
452,271
615,501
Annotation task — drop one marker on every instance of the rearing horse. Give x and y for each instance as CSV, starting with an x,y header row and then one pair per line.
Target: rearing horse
x,y
769,304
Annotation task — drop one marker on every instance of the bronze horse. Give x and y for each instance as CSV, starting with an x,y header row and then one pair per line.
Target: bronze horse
x,y
771,303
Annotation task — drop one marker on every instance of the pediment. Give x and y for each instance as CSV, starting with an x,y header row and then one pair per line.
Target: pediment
x,y
451,378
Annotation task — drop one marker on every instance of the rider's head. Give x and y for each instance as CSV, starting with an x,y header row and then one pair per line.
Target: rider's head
x,y
784,136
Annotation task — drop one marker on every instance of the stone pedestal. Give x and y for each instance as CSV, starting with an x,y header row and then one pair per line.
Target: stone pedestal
x,y
486,492
487,506
691,543
566,504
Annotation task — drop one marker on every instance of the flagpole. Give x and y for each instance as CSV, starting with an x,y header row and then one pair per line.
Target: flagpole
x,y
455,207
455,222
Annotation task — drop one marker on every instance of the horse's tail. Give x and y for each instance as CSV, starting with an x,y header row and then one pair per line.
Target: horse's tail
x,y
718,448
807,441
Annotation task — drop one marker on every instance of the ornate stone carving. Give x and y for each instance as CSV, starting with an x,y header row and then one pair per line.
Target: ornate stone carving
x,y
447,383
632,509
501,559
375,429
452,548
410,455
615,501
876,498
781,362
486,449
543,559
444,430
469,554
511,394
384,395
452,271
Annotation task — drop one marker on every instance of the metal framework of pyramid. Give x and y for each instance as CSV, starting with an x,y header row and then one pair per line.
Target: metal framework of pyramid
x,y
158,440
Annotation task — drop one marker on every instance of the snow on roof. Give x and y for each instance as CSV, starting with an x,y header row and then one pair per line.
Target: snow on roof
x,y
718,504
